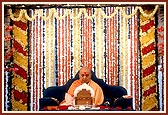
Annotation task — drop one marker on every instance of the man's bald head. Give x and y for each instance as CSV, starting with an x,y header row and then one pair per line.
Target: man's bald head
x,y
85,74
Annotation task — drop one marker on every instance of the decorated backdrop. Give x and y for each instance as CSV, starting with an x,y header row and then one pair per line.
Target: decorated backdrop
x,y
118,43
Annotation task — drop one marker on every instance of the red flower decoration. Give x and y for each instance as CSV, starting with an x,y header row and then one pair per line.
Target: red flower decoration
x,y
161,52
24,100
20,96
9,53
149,70
160,36
17,95
11,69
160,29
7,37
21,25
160,45
20,71
147,26
148,48
9,28
150,91
19,48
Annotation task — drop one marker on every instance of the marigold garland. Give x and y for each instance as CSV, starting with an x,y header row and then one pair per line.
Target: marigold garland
x,y
150,102
149,80
148,48
21,25
147,83
21,72
148,60
19,48
19,83
147,39
17,105
20,36
150,91
81,11
20,96
21,60
148,71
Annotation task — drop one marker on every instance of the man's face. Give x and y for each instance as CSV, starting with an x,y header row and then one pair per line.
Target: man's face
x,y
84,75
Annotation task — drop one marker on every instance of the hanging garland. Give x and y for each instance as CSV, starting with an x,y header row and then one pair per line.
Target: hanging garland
x,y
161,46
115,53
19,82
124,33
90,35
99,45
136,65
148,57
76,36
8,65
67,12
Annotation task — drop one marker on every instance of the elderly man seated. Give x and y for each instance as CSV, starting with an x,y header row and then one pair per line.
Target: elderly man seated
x,y
84,78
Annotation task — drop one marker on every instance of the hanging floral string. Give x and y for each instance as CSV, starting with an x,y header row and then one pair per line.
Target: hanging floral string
x,y
149,81
19,97
106,39
81,11
90,37
115,52
63,47
58,27
126,36
65,50
122,47
136,64
31,41
77,42
83,40
109,50
68,49
130,54
161,46
99,44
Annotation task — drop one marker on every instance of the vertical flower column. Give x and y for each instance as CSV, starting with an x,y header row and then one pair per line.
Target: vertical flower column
x,y
20,58
99,44
8,52
36,62
76,41
160,45
148,61
124,51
